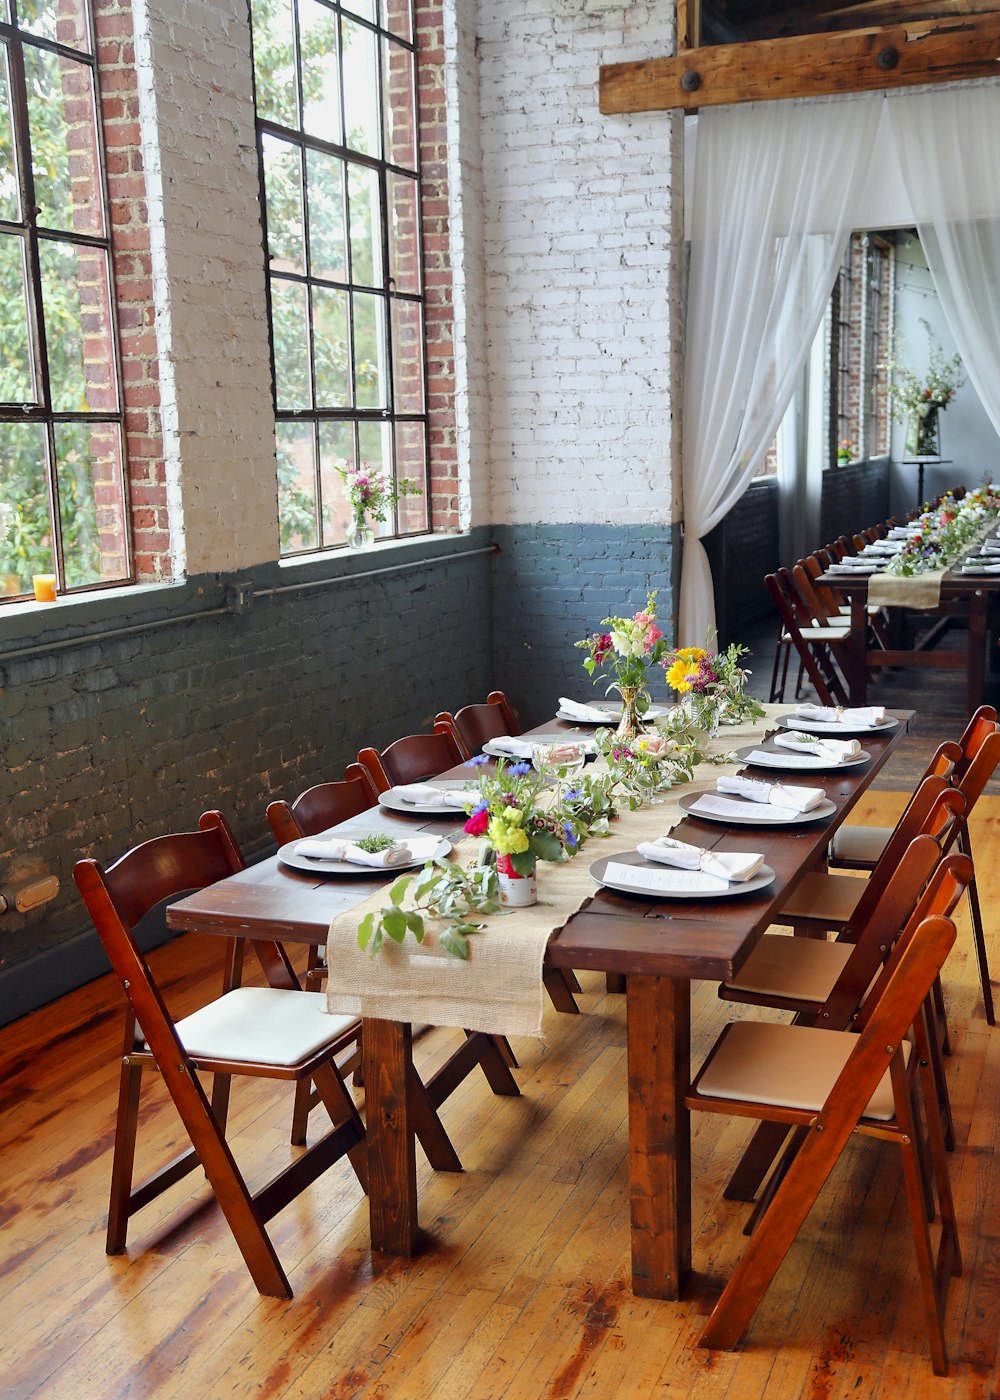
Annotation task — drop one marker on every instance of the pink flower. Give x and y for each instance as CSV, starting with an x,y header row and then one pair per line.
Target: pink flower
x,y
653,635
478,822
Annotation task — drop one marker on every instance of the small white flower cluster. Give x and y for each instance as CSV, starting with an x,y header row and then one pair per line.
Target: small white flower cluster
x,y
7,517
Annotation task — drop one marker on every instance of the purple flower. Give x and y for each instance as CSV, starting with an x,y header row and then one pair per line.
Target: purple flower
x,y
518,770
476,762
570,838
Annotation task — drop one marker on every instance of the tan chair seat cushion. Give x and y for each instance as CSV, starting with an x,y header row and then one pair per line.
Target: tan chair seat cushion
x,y
860,843
264,1024
787,1066
830,899
801,968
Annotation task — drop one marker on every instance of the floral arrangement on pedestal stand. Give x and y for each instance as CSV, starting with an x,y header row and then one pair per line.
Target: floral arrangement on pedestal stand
x,y
712,685
918,403
371,493
627,652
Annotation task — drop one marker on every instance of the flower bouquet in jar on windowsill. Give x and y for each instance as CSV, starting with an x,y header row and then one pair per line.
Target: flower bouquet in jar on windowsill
x,y
627,653
371,494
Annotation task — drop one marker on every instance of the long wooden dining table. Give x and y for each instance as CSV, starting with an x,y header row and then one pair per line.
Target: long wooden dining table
x,y
656,948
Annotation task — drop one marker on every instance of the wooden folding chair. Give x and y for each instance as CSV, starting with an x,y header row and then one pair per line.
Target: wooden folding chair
x,y
475,725
828,1085
812,644
313,811
411,759
266,1032
825,984
861,847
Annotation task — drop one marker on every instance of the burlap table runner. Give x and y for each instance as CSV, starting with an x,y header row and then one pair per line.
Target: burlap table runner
x,y
499,989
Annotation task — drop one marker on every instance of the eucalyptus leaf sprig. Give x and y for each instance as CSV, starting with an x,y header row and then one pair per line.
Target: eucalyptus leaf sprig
x,y
442,892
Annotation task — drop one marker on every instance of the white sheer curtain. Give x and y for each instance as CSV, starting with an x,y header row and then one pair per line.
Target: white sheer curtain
x,y
948,141
774,190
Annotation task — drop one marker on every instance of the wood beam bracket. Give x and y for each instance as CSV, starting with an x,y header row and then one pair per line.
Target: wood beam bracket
x,y
813,65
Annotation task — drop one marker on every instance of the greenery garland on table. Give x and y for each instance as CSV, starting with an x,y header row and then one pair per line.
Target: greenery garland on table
x,y
945,532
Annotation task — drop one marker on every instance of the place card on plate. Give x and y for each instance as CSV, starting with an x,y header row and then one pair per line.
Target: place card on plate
x,y
709,803
659,880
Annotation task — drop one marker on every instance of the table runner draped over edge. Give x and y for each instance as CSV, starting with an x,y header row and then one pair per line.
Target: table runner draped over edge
x,y
499,990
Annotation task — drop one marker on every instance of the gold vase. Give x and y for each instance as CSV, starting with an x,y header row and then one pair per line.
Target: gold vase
x,y
630,724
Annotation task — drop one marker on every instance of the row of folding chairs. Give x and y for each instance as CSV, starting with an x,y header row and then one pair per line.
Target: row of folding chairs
x,y
815,619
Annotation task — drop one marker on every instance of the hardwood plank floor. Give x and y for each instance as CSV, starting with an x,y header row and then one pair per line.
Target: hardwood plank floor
x,y
521,1292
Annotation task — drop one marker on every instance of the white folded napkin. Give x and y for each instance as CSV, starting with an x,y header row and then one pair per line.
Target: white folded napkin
x,y
836,749
883,547
868,716
330,849
727,865
972,568
575,710
427,795
796,799
990,546
511,746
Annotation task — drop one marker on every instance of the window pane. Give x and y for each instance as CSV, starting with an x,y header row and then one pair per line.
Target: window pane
x,y
361,99
290,326
398,19
62,20
61,121
78,338
327,255
369,351
274,61
296,486
10,202
407,356
367,9
91,504
320,72
283,193
27,549
366,225
16,379
400,118
333,379
411,466
336,449
404,231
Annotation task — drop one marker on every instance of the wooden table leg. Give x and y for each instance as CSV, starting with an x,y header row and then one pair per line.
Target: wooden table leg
x,y
856,651
659,1130
392,1161
975,666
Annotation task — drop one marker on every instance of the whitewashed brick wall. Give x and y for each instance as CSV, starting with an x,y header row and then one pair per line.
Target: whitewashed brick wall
x,y
196,102
582,269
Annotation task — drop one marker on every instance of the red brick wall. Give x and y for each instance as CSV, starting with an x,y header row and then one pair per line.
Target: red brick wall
x,y
133,275
439,319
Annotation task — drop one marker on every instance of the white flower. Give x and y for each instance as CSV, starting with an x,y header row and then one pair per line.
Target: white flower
x,y
7,517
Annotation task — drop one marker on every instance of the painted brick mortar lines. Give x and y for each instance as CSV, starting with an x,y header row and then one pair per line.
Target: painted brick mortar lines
x,y
580,263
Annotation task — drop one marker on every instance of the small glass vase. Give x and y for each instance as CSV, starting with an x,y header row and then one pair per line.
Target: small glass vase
x,y
516,891
359,533
630,724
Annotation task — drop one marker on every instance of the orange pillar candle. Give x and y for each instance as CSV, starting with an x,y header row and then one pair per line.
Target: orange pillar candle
x,y
45,587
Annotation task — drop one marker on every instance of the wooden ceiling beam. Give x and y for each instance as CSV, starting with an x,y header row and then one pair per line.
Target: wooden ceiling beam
x,y
861,60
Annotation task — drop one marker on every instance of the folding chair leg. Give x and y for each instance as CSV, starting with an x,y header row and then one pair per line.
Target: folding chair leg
x,y
764,1146
305,1102
119,1206
916,1192
965,846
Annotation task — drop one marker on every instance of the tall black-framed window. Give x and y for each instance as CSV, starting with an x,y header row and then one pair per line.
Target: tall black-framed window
x,y
62,463
336,101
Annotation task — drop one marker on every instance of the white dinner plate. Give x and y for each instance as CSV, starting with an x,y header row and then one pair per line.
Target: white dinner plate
x,y
422,849
420,809
586,743
799,763
613,710
815,726
777,816
634,861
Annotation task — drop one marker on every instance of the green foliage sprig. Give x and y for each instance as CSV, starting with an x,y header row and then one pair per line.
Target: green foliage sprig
x,y
442,892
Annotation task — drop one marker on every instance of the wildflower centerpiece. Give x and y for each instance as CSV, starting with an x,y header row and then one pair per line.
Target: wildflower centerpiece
x,y
918,402
373,494
524,817
945,531
713,685
627,652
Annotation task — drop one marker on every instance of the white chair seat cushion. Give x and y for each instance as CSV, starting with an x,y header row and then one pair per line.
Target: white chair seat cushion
x,y
802,968
860,843
826,898
267,1025
787,1066
825,634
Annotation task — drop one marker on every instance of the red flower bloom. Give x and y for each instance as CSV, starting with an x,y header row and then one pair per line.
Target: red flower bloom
x,y
477,823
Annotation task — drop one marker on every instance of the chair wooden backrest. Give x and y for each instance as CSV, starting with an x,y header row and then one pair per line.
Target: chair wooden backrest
x,y
411,759
934,810
474,725
322,806
810,644
982,725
